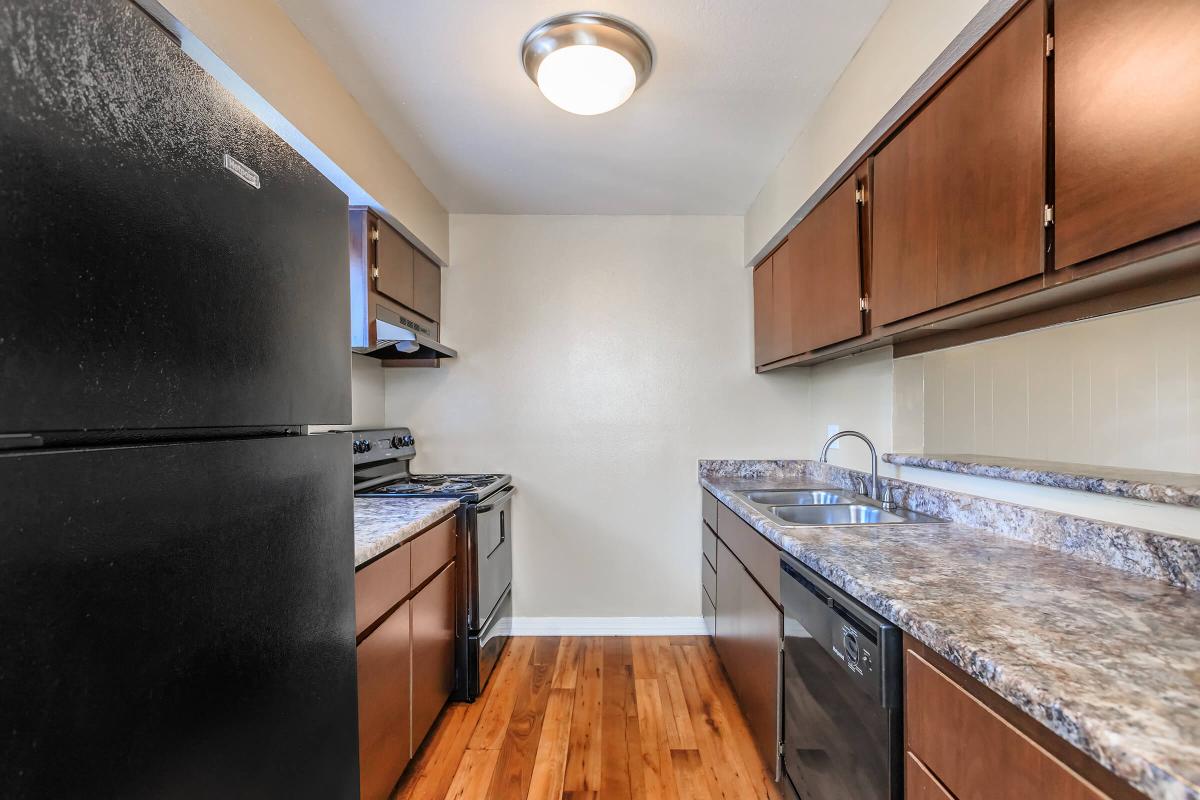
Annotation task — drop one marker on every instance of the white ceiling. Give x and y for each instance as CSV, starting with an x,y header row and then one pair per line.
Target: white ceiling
x,y
734,82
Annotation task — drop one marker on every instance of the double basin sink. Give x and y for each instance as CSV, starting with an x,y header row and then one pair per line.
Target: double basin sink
x,y
825,507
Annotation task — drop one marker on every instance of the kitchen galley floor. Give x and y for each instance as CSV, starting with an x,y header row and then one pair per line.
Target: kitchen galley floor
x,y
594,717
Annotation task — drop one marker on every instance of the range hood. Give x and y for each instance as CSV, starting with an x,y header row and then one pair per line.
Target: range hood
x,y
399,342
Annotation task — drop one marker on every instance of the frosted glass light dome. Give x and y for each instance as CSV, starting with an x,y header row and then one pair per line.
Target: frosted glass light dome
x,y
587,63
586,79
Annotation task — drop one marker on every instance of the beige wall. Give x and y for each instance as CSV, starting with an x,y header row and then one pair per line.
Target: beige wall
x,y
1120,391
258,42
904,42
600,358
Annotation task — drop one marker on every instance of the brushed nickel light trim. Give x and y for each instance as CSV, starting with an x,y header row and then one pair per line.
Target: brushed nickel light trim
x,y
588,28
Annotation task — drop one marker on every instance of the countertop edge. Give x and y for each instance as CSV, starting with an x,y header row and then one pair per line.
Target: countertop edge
x,y
1043,474
412,516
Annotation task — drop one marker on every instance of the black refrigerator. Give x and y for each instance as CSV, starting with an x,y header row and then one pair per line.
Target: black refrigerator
x,y
176,553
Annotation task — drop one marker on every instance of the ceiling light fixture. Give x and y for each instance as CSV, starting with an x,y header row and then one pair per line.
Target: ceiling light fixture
x,y
587,62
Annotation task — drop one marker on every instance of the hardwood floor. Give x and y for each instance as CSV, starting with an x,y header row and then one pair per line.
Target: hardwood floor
x,y
594,717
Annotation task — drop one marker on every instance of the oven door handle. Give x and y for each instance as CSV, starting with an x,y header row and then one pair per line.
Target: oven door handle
x,y
506,491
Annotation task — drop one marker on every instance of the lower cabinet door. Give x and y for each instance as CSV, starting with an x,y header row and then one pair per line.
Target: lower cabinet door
x,y
384,732
432,651
760,631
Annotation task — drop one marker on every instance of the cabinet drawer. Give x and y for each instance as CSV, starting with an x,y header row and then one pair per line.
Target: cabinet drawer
x,y
708,506
708,579
384,728
379,586
974,752
710,614
432,549
708,543
919,783
758,553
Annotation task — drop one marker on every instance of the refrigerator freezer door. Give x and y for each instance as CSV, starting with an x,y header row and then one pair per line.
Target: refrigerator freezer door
x,y
178,621
168,261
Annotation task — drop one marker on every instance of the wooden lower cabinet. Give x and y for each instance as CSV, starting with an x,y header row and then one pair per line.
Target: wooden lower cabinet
x,y
919,782
749,628
959,747
384,731
406,669
433,616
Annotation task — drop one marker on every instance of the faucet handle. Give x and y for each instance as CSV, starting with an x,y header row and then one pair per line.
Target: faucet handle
x,y
889,502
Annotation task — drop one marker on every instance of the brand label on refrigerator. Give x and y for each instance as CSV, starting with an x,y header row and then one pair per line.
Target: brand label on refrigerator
x,y
242,171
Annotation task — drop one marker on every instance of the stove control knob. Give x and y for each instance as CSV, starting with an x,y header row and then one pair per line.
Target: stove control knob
x,y
357,446
399,441
366,445
407,441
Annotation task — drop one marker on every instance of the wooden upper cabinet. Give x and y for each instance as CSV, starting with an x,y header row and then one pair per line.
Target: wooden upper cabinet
x,y
1126,116
826,280
393,260
427,287
990,121
904,223
958,193
763,275
783,312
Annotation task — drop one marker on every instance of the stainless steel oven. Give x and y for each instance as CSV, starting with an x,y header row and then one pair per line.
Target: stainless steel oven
x,y
488,557
842,733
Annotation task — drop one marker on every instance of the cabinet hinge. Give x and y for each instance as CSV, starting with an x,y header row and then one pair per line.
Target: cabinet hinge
x,y
781,749
860,195
375,273
374,234
1048,217
864,304
1049,44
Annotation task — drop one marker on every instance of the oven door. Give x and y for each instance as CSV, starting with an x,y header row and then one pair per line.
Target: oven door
x,y
491,556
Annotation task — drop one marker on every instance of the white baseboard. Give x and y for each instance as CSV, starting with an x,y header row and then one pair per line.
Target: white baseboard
x,y
608,626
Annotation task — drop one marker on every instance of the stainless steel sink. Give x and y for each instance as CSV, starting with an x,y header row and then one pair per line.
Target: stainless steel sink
x,y
847,514
798,497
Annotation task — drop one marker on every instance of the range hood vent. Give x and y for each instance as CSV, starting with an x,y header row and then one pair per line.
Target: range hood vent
x,y
397,341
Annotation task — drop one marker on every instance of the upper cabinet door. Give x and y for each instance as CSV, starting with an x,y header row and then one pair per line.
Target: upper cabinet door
x,y
762,312
827,283
959,191
904,223
427,287
1126,116
990,121
393,263
784,314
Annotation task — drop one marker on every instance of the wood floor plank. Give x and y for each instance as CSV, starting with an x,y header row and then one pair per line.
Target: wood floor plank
x,y
550,761
643,657
586,754
657,769
474,775
566,668
515,767
501,696
689,773
434,764
614,770
680,735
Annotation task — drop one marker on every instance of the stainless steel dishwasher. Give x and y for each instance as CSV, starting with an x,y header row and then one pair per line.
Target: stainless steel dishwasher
x,y
842,733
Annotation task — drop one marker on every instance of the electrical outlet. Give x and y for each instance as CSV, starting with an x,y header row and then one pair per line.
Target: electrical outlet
x,y
830,430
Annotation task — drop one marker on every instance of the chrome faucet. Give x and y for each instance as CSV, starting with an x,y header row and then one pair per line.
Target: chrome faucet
x,y
874,493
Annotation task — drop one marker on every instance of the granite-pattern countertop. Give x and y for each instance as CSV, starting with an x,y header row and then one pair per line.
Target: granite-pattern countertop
x,y
382,523
1108,661
1174,488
